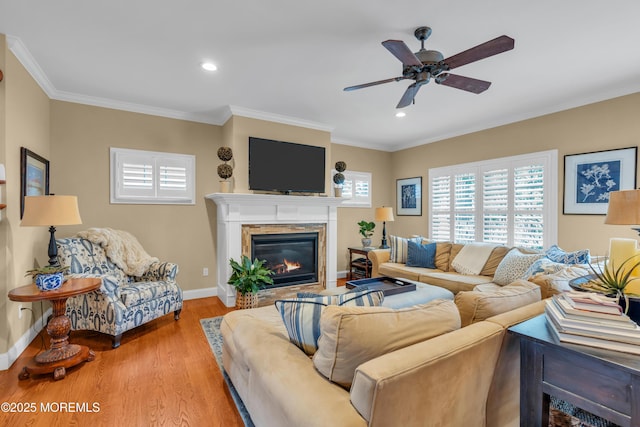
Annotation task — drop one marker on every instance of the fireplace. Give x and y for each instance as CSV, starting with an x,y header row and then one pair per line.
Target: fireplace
x,y
292,257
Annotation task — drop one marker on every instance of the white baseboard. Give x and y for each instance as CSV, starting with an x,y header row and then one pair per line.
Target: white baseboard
x,y
7,359
200,293
342,274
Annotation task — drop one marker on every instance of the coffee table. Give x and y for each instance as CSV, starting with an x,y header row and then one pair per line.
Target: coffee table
x,y
421,295
61,355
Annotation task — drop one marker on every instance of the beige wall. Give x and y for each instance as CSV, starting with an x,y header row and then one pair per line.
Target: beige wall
x,y
363,160
81,136
26,124
602,126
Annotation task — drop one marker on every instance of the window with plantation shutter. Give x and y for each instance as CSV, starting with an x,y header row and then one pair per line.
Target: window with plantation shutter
x,y
510,201
152,177
356,188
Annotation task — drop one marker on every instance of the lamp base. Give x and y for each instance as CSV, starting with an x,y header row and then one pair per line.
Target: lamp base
x,y
53,248
384,236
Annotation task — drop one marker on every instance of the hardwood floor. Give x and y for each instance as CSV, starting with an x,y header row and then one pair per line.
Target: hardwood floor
x,y
163,374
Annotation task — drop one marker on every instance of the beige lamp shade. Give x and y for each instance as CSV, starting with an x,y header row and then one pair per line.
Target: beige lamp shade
x,y
624,208
50,210
384,213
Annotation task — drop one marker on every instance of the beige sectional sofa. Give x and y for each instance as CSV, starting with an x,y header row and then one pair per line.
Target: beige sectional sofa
x,y
445,275
466,377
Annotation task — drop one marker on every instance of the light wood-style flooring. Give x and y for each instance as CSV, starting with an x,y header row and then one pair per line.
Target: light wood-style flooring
x,y
163,374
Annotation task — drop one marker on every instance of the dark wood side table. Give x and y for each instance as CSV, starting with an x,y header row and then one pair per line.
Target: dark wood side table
x,y
357,268
603,382
61,355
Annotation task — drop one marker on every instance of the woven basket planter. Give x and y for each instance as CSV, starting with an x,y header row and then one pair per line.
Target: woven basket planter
x,y
249,300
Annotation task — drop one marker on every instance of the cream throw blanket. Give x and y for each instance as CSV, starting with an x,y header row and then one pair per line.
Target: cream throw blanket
x,y
472,257
122,248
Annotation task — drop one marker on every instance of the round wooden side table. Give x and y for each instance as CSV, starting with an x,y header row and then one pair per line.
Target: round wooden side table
x,y
61,355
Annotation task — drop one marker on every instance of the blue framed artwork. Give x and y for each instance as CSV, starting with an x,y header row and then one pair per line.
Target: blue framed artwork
x,y
409,196
590,177
34,176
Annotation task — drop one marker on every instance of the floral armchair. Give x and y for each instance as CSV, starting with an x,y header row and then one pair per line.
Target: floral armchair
x,y
122,302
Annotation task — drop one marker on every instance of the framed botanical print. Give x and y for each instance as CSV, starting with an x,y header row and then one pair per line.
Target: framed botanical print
x,y
409,196
34,176
590,177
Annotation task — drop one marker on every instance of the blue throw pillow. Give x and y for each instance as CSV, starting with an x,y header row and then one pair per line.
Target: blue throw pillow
x,y
421,255
556,254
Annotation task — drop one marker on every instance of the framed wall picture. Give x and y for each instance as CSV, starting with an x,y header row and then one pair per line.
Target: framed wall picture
x,y
590,177
409,196
34,176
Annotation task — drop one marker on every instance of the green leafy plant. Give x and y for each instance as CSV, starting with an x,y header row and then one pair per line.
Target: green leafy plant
x,y
612,280
47,269
249,277
366,228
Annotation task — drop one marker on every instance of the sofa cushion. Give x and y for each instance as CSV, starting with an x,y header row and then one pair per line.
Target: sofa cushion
x,y
301,316
478,305
140,292
556,254
513,266
455,282
455,250
354,335
401,271
421,254
494,260
399,248
443,250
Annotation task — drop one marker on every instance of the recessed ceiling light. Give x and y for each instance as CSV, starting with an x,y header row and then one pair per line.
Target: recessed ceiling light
x,y
209,66
401,114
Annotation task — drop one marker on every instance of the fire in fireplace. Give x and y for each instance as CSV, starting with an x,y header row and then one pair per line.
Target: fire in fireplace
x,y
293,257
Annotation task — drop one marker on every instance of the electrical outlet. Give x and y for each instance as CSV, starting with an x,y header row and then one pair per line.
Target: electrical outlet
x,y
19,311
205,272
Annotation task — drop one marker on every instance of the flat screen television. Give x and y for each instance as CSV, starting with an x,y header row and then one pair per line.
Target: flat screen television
x,y
285,166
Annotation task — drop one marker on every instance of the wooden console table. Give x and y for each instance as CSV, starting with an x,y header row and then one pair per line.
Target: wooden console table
x,y
359,269
603,382
61,355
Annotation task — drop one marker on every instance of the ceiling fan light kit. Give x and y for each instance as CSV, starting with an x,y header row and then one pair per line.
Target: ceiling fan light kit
x,y
425,64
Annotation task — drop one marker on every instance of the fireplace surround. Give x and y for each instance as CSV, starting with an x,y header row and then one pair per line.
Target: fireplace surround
x,y
237,213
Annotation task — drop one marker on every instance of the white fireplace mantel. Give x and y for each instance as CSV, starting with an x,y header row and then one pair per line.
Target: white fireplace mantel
x,y
234,210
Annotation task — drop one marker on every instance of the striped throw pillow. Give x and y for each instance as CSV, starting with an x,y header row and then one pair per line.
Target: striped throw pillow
x,y
301,316
400,247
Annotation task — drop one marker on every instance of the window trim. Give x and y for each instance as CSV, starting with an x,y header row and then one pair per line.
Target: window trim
x,y
156,194
357,202
548,158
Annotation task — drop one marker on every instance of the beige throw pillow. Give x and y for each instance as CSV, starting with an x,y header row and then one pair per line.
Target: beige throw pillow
x,y
353,335
475,306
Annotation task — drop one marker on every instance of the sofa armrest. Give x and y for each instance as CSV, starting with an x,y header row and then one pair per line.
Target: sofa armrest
x,y
109,286
425,378
159,271
377,257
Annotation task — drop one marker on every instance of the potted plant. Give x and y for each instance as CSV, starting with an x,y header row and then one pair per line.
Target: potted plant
x,y
248,278
366,231
338,178
49,277
612,280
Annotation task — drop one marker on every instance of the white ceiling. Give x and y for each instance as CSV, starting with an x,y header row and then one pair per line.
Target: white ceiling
x,y
288,60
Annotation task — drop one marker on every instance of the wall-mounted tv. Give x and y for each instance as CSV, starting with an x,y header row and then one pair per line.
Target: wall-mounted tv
x,y
285,166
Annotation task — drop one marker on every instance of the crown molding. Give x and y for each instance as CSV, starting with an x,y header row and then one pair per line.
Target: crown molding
x,y
234,110
29,63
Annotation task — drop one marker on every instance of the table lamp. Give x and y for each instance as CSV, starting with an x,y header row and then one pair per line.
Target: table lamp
x,y
624,208
384,214
51,211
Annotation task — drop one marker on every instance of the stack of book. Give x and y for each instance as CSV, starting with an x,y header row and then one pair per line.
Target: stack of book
x,y
592,319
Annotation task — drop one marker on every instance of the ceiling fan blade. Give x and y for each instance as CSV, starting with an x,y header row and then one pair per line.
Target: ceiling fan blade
x,y
464,83
401,51
484,50
409,94
379,82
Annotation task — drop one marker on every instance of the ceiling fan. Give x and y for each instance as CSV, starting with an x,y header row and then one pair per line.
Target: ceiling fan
x,y
424,65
